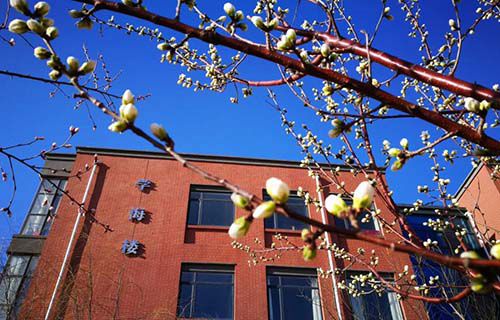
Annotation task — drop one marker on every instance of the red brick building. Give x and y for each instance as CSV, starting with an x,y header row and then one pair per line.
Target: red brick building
x,y
185,264
480,194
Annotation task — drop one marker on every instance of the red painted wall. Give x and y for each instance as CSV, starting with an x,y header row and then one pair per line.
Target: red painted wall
x,y
107,284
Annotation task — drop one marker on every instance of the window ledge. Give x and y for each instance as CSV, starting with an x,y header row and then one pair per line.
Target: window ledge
x,y
209,228
284,231
29,236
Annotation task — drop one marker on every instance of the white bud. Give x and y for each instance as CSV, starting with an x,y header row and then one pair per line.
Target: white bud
x,y
158,131
41,53
87,67
264,210
363,196
18,26
404,143
335,205
277,190
73,64
229,9
35,26
325,50
52,32
239,228
291,35
128,97
118,126
41,9
239,200
394,152
471,105
21,6
128,112
258,22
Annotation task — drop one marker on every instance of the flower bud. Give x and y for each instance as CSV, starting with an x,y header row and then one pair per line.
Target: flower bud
x,y
239,200
327,90
129,3
363,196
47,22
87,67
272,24
325,50
85,23
54,75
41,9
394,152
239,228
42,53
128,97
76,14
118,126
258,22
158,131
21,6
229,9
397,165
264,210
277,190
335,205
480,285
238,16
452,24
471,105
18,26
128,112
163,46
495,251
469,255
305,234
35,26
309,253
291,35
404,143
73,64
52,33
484,105
284,43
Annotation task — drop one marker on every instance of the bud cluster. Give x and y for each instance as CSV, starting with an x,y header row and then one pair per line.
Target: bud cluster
x,y
128,113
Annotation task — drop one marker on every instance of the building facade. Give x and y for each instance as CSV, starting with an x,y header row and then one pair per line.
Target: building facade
x,y
154,245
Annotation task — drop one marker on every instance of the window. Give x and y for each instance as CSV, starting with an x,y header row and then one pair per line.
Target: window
x,y
365,219
293,294
370,305
278,221
14,283
43,209
206,291
210,206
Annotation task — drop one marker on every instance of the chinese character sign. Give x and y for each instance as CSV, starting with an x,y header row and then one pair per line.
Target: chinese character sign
x,y
137,214
130,247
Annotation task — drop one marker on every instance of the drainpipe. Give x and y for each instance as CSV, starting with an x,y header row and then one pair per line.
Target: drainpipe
x,y
330,254
80,214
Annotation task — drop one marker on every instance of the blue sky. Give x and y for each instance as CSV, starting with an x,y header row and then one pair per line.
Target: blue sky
x,y
206,122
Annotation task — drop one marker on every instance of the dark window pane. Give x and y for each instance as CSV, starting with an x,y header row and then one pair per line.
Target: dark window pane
x,y
293,297
214,277
212,208
297,303
278,221
213,301
217,213
208,295
8,289
194,207
274,304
